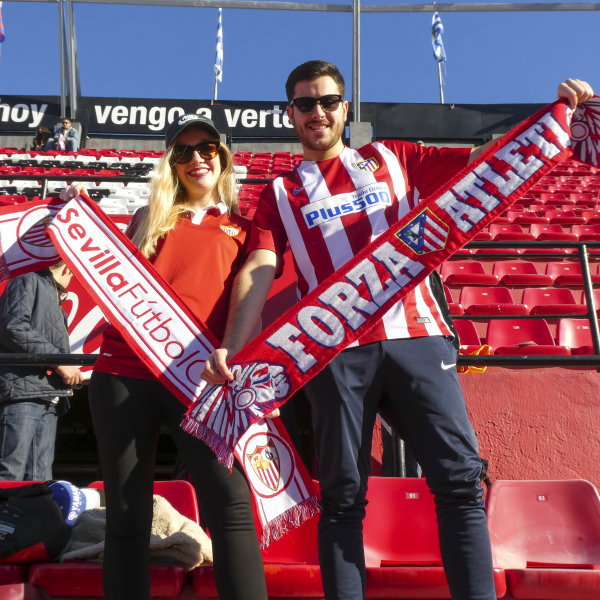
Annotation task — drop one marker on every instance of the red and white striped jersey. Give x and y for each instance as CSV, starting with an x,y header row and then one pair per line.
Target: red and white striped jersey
x,y
329,210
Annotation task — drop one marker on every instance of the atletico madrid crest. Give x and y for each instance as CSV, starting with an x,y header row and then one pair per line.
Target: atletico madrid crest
x,y
425,233
266,464
370,165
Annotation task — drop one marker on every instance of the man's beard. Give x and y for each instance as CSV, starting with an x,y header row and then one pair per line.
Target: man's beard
x,y
335,132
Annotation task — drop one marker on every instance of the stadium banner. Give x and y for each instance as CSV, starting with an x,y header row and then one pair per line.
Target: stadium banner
x,y
150,117
173,344
278,362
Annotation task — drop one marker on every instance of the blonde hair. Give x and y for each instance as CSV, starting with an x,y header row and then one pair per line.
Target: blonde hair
x,y
166,200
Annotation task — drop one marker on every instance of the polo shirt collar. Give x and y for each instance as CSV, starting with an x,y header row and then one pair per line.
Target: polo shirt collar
x,y
199,214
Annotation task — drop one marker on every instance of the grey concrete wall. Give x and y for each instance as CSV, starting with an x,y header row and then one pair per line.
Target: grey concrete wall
x,y
126,143
267,147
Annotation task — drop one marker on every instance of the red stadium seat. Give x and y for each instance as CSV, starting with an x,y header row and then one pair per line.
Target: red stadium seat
x,y
587,233
576,334
552,301
592,217
455,309
556,198
596,299
568,274
528,218
401,542
546,536
522,337
489,301
520,274
468,337
466,273
552,233
85,579
563,217
510,232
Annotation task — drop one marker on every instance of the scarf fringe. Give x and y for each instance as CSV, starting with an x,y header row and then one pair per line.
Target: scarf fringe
x,y
290,519
215,442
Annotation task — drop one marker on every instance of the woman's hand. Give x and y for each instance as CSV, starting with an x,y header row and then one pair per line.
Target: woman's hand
x,y
72,192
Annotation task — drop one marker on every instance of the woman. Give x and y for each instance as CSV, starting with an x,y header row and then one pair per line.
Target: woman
x,y
191,233
41,138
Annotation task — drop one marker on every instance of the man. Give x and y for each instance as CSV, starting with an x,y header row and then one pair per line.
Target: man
x,y
66,135
32,398
403,367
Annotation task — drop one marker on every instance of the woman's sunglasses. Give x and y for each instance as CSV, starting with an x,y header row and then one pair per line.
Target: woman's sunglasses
x,y
207,150
306,104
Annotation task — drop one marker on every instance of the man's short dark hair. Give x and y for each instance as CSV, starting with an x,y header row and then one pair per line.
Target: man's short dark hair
x,y
311,70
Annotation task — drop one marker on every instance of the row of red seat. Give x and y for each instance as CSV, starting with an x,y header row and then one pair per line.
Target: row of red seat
x,y
83,172
523,337
401,547
543,232
494,301
85,152
515,273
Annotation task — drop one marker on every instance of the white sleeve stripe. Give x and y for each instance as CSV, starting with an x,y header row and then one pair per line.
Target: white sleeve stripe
x,y
393,165
293,233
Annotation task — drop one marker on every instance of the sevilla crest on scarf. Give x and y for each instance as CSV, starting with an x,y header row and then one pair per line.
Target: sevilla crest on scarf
x,y
270,463
585,131
265,462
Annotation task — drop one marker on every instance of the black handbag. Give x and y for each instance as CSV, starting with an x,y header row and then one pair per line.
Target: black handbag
x,y
32,528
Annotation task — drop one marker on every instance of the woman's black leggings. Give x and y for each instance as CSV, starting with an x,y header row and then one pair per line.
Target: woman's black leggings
x,y
127,415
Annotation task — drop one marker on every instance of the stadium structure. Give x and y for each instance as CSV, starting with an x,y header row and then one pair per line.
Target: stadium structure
x,y
527,287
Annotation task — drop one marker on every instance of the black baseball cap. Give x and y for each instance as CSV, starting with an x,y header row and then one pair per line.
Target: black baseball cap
x,y
184,121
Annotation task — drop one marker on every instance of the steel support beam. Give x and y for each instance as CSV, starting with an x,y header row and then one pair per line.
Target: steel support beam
x,y
347,8
62,57
356,60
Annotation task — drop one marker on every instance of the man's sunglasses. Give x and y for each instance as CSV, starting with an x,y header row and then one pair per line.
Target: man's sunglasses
x,y
207,150
306,104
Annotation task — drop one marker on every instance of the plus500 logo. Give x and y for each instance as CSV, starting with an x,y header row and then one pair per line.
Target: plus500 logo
x,y
376,195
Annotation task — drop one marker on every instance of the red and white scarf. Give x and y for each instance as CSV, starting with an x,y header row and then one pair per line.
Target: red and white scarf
x,y
24,246
348,303
160,329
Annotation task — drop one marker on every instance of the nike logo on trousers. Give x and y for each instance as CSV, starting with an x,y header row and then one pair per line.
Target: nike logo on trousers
x,y
446,367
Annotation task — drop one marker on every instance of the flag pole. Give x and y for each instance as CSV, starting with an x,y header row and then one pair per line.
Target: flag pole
x,y
218,56
440,78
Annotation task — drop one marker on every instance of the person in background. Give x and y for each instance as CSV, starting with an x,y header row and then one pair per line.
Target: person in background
x,y
41,139
32,398
66,138
191,232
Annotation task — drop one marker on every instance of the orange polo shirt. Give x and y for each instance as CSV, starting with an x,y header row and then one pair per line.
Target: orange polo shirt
x,y
199,258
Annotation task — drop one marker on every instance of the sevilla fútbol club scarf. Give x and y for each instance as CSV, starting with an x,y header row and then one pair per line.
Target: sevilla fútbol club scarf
x,y
160,329
347,304
173,344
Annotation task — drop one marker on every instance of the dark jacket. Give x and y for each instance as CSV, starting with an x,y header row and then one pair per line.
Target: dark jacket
x,y
32,322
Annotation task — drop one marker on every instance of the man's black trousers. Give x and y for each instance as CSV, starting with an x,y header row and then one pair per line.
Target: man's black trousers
x,y
414,384
127,415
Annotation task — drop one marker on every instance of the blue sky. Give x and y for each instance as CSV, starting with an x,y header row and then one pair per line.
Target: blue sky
x,y
162,52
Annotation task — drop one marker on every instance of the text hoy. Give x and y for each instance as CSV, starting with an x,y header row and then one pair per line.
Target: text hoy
x,y
355,302
171,340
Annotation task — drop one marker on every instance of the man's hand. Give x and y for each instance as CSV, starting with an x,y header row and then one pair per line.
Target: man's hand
x,y
70,375
215,369
575,91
